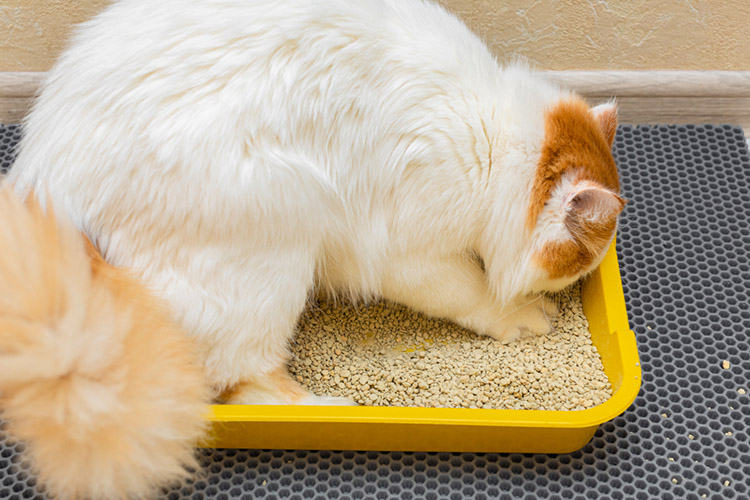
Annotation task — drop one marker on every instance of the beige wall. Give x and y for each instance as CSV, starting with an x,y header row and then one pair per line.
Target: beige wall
x,y
33,32
554,34
615,34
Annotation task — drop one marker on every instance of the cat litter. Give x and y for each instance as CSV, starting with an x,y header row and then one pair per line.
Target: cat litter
x,y
387,355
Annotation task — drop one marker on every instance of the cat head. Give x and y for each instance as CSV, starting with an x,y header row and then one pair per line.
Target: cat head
x,y
575,201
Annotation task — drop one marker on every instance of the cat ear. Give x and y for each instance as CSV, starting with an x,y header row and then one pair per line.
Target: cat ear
x,y
606,117
591,206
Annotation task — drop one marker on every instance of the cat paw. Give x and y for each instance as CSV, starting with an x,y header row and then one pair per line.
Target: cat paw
x,y
309,399
277,388
313,400
532,317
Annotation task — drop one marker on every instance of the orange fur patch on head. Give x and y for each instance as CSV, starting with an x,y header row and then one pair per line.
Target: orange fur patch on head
x,y
566,259
577,142
573,141
563,259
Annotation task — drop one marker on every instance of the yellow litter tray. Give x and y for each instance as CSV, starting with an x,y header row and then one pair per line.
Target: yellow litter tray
x,y
454,429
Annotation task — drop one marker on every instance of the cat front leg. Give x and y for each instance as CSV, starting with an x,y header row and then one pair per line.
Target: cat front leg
x,y
456,288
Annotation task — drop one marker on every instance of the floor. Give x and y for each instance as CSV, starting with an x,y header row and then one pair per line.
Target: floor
x,y
684,247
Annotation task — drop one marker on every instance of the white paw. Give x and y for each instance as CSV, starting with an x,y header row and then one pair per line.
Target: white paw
x,y
276,398
549,306
504,332
313,400
536,318
532,317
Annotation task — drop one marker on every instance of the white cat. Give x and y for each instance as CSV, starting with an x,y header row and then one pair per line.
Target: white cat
x,y
237,154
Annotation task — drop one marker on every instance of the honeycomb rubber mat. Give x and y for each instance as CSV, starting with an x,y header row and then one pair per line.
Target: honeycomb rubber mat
x,y
684,247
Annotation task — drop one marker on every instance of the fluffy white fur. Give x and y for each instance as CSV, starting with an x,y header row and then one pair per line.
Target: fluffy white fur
x,y
236,153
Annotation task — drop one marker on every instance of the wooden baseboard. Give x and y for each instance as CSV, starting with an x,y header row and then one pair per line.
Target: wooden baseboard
x,y
643,96
671,97
17,90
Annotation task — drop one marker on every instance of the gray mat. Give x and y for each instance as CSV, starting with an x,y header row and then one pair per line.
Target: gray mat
x,y
684,246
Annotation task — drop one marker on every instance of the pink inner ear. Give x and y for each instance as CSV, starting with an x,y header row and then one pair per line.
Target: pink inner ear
x,y
593,202
591,215
606,117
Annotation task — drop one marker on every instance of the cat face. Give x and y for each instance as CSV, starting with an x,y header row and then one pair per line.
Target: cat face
x,y
575,201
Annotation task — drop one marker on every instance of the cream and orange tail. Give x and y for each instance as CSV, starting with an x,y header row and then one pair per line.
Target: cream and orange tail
x,y
95,378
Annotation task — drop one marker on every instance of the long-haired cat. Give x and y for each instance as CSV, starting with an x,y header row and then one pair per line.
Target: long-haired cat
x,y
235,155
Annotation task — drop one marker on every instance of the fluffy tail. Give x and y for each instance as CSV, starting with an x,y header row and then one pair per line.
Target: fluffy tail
x,y
103,387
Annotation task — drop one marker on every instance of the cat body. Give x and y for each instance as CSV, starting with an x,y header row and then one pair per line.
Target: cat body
x,y
237,155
